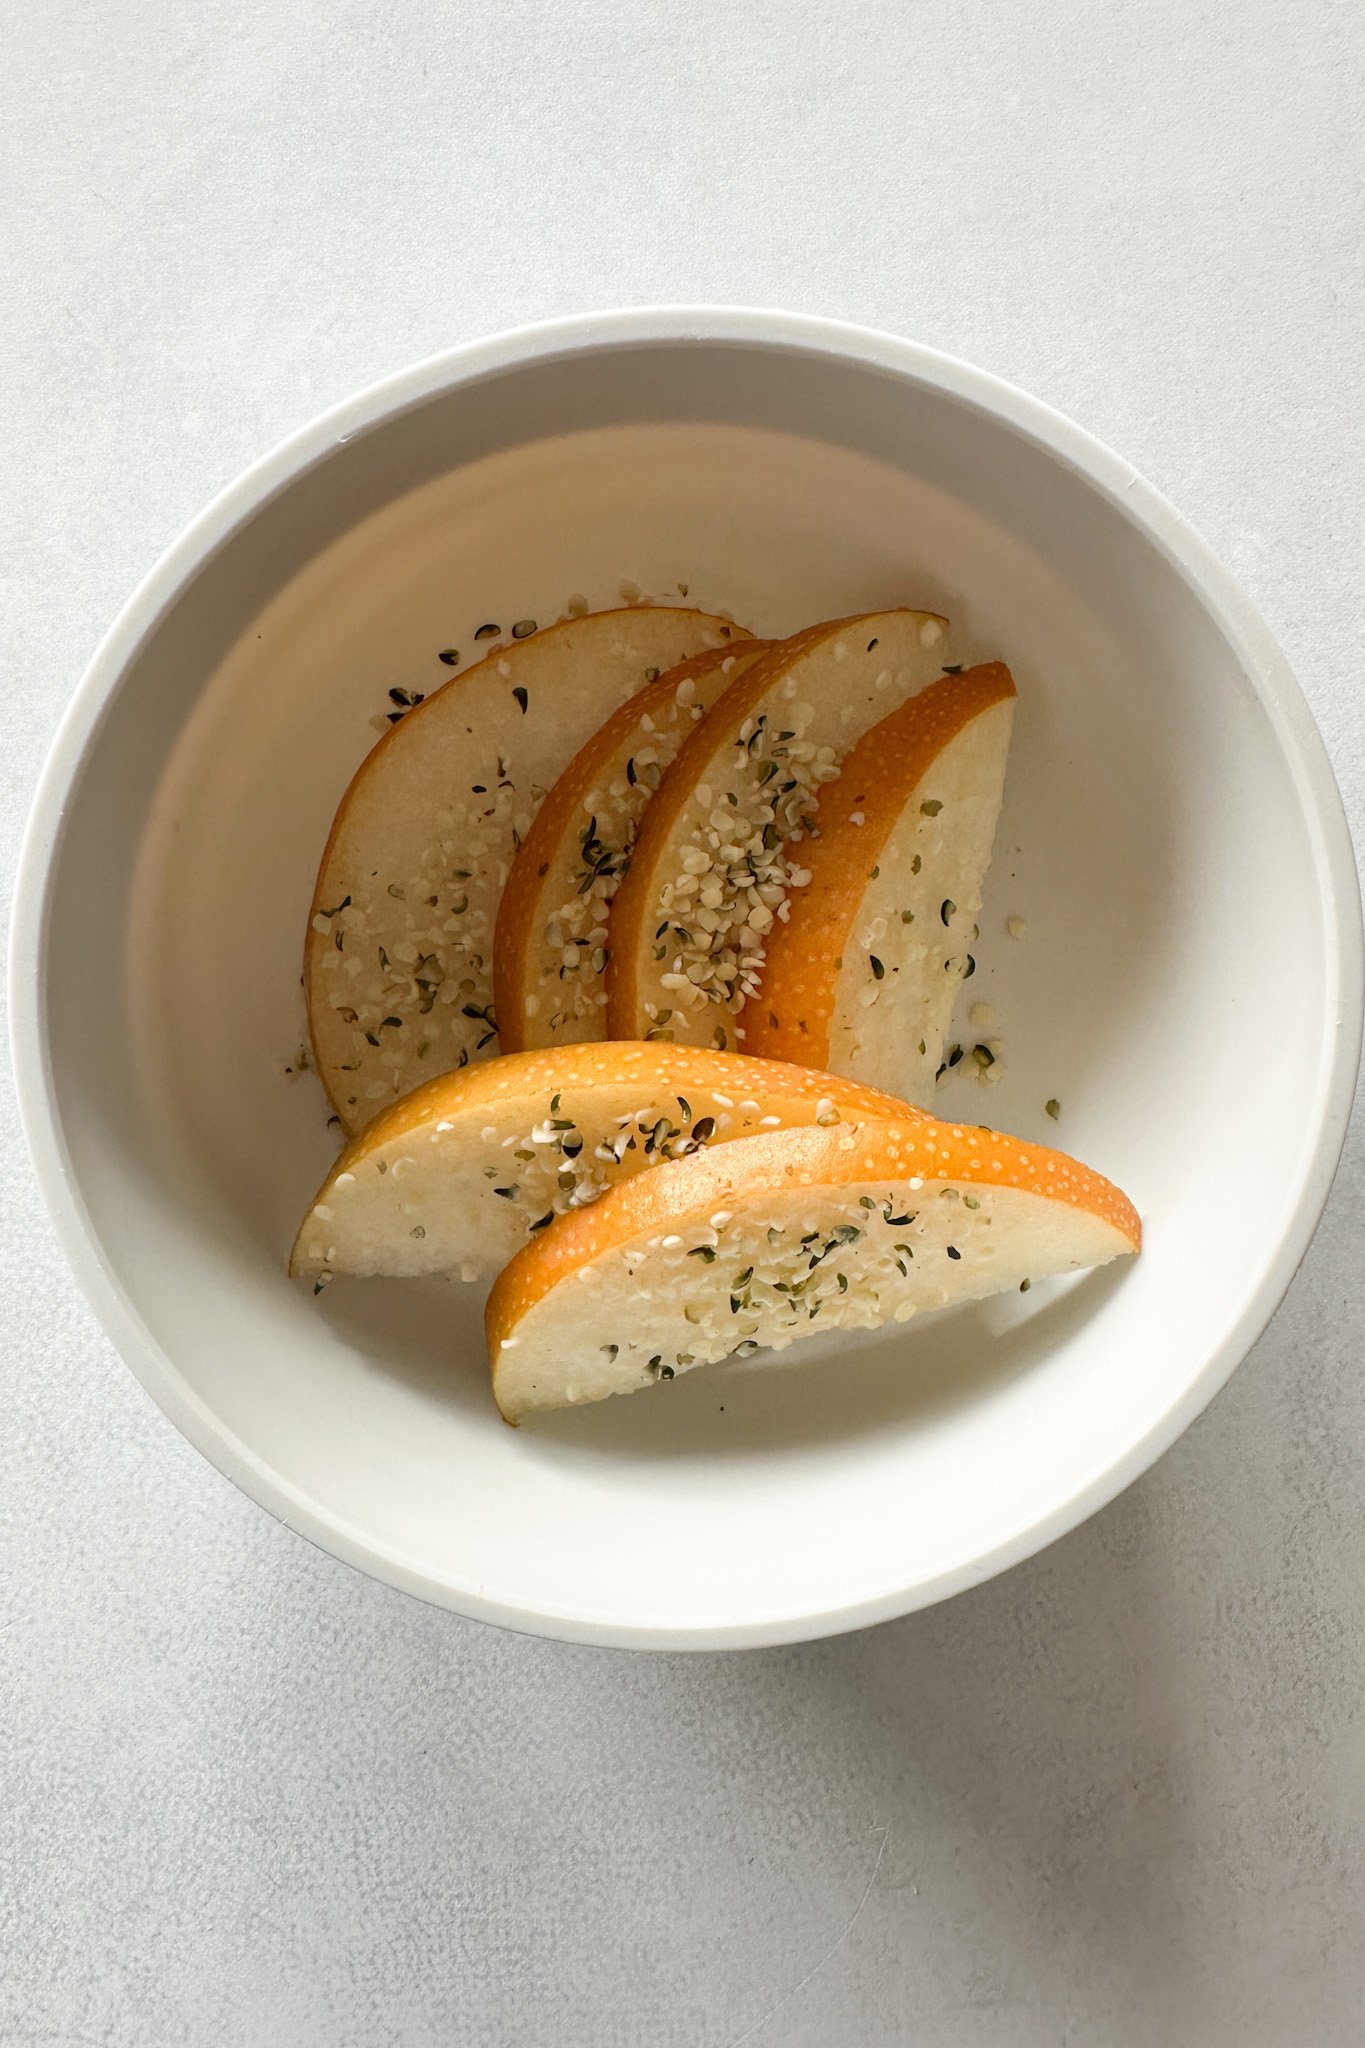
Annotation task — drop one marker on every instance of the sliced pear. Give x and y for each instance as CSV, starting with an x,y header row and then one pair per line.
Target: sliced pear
x,y
861,978
454,1177
787,1235
398,970
549,945
717,852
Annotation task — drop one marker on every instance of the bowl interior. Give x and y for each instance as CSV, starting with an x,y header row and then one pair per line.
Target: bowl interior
x,y
1168,990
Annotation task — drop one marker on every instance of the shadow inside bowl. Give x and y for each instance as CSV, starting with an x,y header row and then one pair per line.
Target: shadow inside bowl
x,y
862,1386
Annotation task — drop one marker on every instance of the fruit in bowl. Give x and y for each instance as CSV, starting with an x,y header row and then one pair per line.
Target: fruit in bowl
x,y
777,846
785,470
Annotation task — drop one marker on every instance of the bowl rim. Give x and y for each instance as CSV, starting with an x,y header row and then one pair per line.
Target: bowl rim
x,y
1143,506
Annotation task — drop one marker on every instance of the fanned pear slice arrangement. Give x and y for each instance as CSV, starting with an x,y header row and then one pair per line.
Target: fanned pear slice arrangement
x,y
720,847
398,969
456,1176
862,976
550,941
785,1236
628,946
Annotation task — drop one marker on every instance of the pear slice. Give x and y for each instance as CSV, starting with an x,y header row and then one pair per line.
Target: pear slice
x,y
787,1235
861,978
723,842
549,944
454,1177
398,969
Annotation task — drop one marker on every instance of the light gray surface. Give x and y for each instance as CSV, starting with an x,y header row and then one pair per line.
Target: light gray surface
x,y
1117,1796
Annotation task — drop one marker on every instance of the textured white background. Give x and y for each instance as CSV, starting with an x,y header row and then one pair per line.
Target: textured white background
x,y
1116,1797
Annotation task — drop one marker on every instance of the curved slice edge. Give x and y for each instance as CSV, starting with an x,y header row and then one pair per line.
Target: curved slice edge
x,y
539,876
881,815
573,1315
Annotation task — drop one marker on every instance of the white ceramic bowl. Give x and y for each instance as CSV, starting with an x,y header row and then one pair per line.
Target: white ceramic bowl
x,y
1188,984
